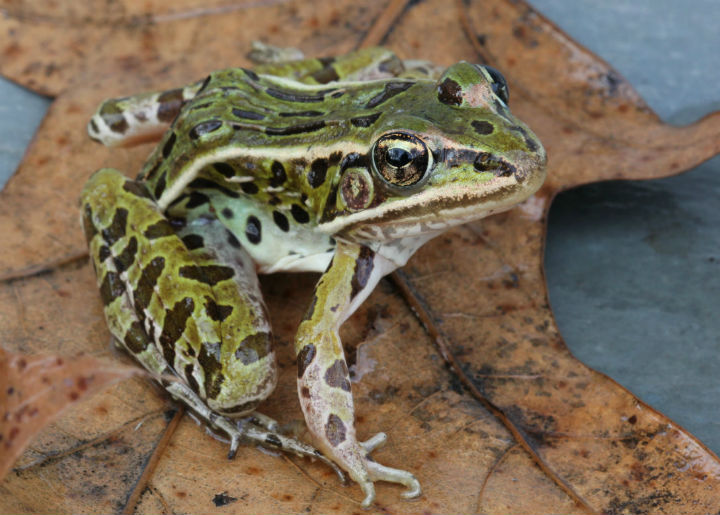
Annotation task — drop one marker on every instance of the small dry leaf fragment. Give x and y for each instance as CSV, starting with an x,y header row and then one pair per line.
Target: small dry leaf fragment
x,y
34,390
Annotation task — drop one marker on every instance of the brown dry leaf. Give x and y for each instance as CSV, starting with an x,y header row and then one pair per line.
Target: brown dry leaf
x,y
517,424
34,390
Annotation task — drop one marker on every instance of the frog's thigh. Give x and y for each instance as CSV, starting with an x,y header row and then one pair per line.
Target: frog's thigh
x,y
174,301
363,64
246,369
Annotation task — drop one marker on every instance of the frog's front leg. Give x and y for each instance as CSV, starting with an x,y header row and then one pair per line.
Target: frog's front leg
x,y
323,378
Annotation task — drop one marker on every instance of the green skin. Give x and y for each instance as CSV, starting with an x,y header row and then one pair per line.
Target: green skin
x,y
344,166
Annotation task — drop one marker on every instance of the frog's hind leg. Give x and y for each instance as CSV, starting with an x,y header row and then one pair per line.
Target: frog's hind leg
x,y
360,65
185,306
127,121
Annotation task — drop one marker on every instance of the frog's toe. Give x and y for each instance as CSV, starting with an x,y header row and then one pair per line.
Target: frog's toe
x,y
369,490
265,422
382,473
234,444
374,442
378,472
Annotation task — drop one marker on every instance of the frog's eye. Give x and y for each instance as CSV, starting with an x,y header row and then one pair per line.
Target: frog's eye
x,y
402,159
498,84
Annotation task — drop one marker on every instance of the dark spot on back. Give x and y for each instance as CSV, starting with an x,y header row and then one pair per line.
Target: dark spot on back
x,y
253,348
247,115
293,96
148,278
289,114
281,221
304,358
449,92
317,173
136,188
278,174
160,186
208,274
253,229
203,183
227,212
159,229
127,256
196,199
209,359
103,253
391,89
190,378
136,339
215,311
300,128
365,121
174,326
224,169
111,288
299,214
249,187
117,227
193,241
203,128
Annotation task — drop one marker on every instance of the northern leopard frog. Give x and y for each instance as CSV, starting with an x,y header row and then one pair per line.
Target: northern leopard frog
x,y
344,166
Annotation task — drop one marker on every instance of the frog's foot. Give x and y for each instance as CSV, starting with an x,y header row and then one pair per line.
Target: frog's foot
x,y
378,472
255,429
248,431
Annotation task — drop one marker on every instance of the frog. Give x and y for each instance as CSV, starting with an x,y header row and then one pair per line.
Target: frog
x,y
344,166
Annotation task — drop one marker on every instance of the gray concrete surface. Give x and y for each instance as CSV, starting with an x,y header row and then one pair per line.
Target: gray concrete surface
x,y
633,268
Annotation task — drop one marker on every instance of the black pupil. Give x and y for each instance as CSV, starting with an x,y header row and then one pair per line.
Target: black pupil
x,y
398,157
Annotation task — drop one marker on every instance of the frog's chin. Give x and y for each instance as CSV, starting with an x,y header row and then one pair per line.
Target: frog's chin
x,y
431,212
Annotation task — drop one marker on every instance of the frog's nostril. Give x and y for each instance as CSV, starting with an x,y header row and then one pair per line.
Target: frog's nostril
x,y
486,162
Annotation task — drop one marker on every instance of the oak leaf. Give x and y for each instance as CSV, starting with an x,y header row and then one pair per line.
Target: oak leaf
x,y
514,424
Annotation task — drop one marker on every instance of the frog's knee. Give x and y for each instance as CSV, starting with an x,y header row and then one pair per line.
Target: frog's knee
x,y
249,375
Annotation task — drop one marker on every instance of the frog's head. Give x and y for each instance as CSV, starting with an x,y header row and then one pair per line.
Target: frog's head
x,y
443,154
